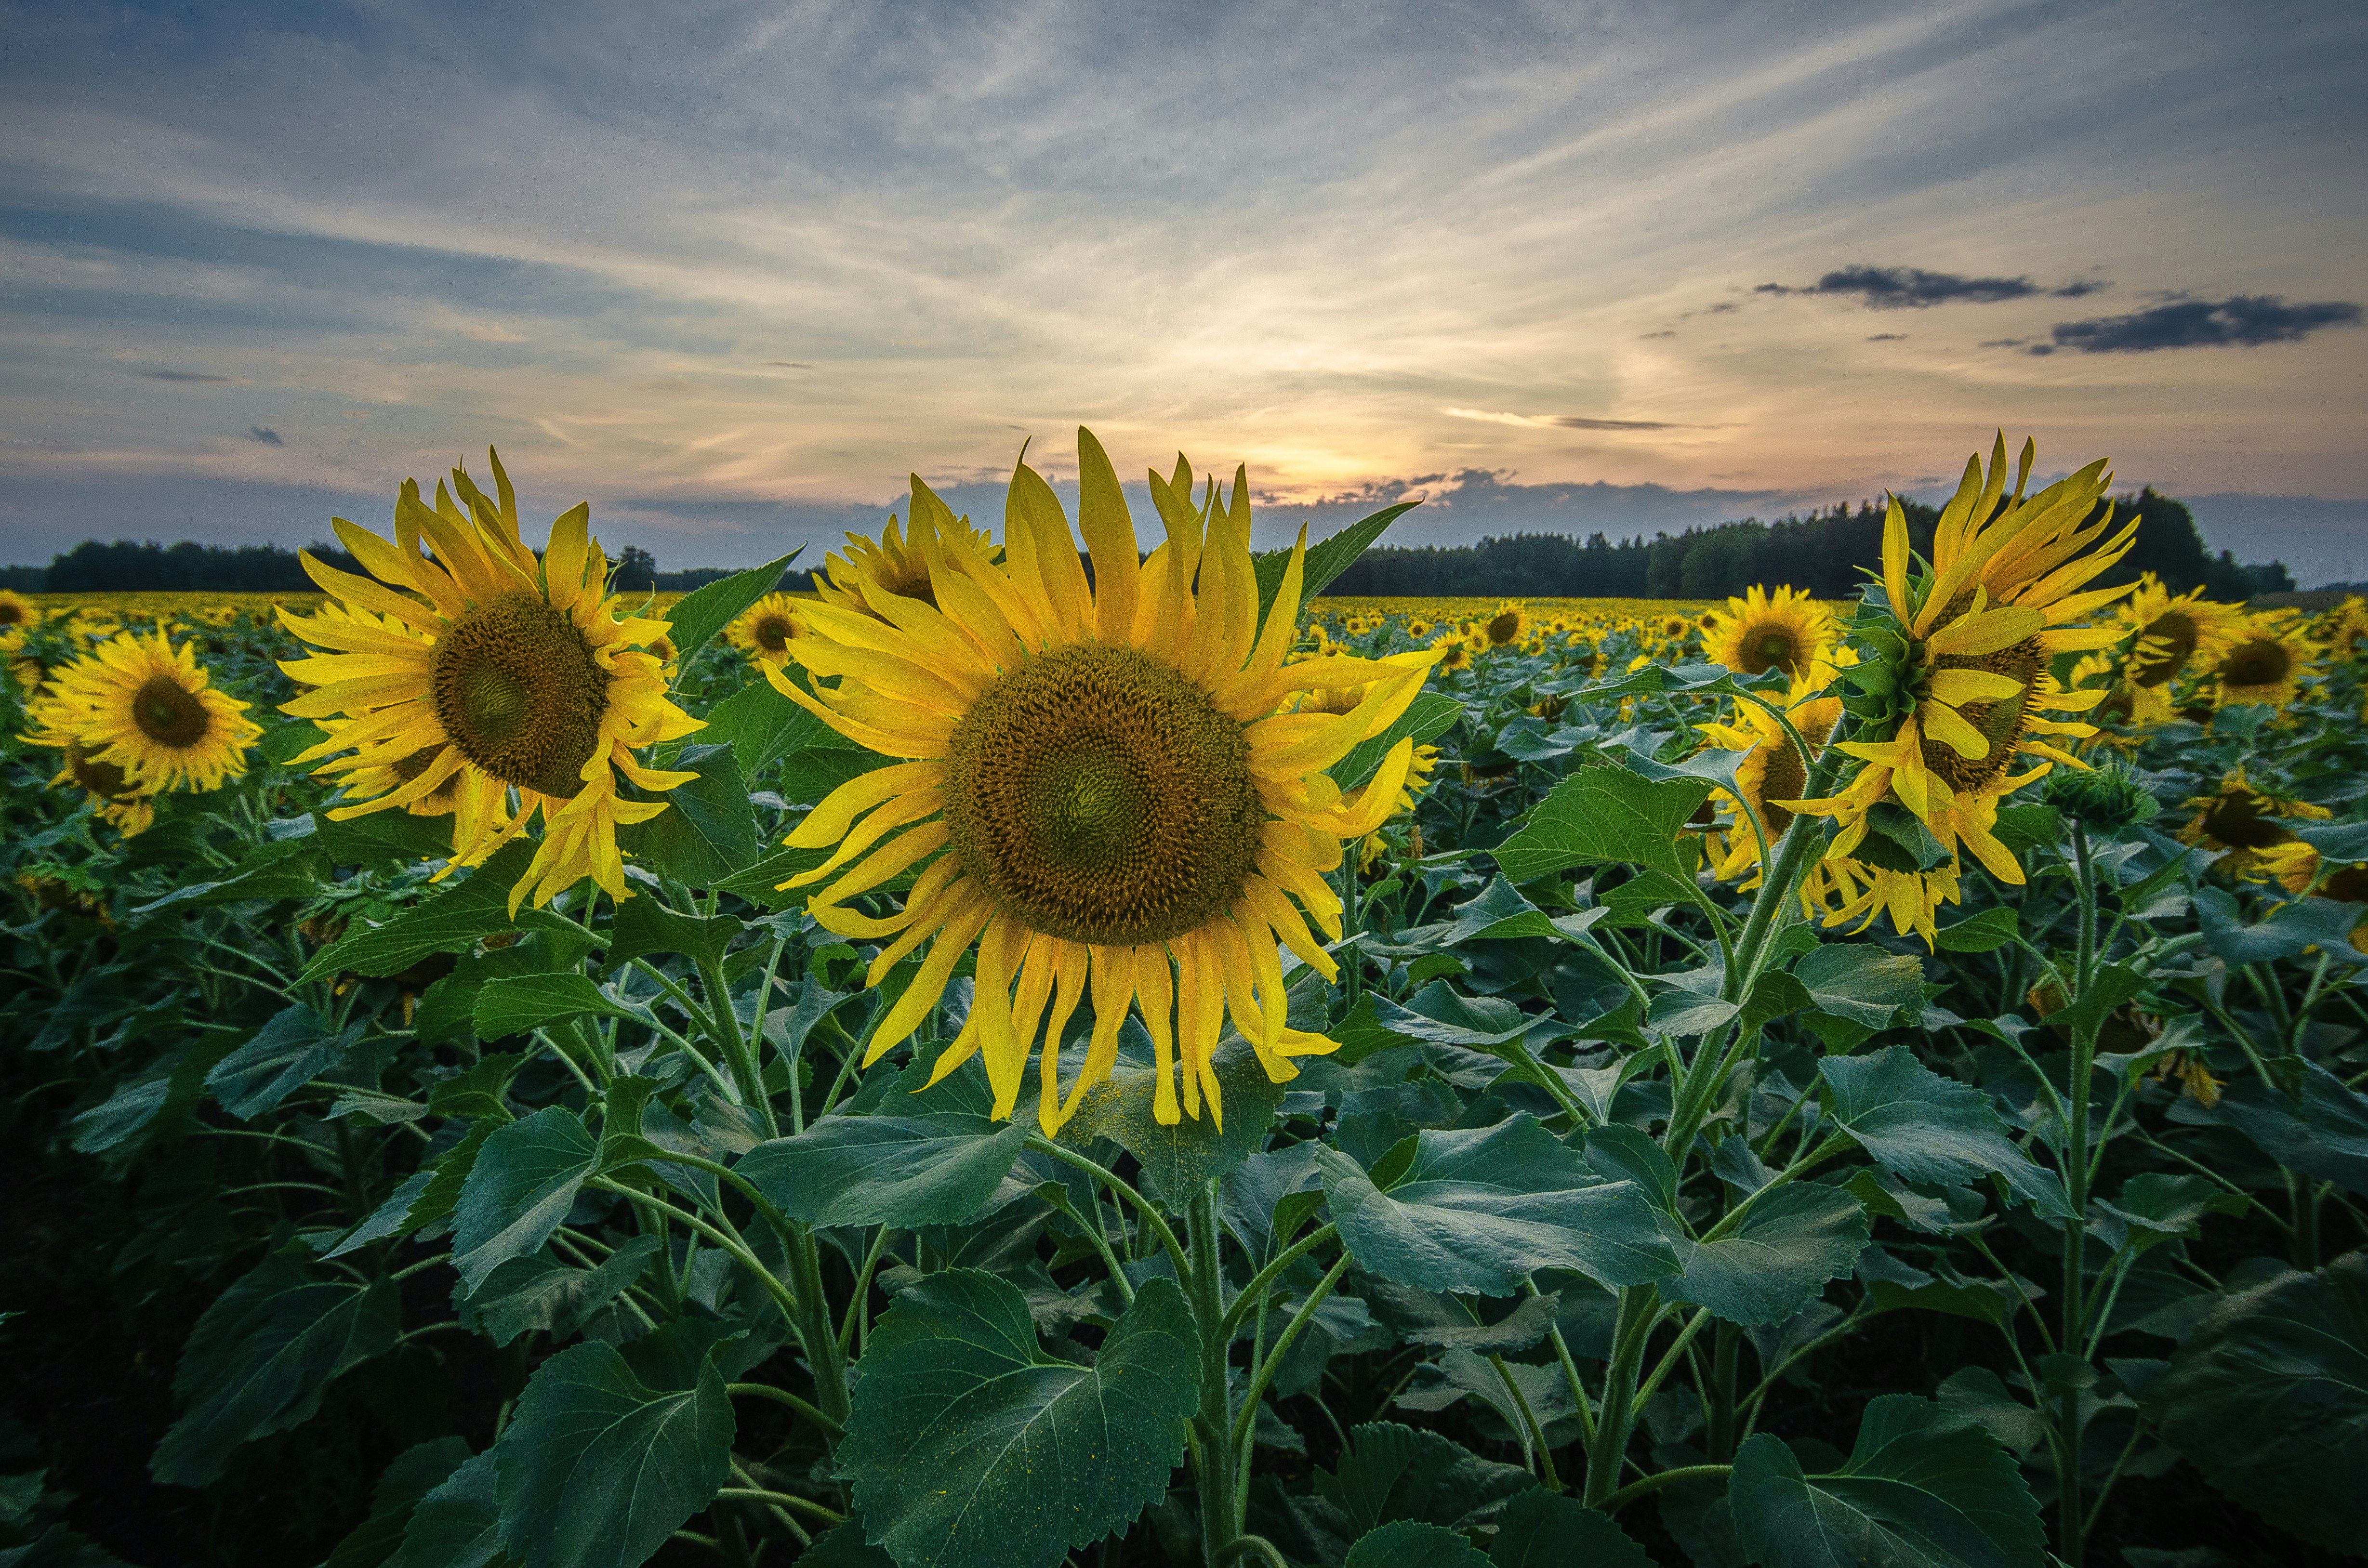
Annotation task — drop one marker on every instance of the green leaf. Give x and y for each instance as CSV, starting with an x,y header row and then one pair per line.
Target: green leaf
x,y
1860,983
1777,1262
761,726
644,925
516,1004
709,829
1605,815
2269,1398
478,1088
699,617
1499,913
1924,1128
523,1182
597,1469
410,1476
2155,1206
381,837
2333,840
1484,1208
2289,931
152,1104
1389,1472
1540,1530
969,1447
810,774
1179,1159
457,1525
451,919
2321,1132
1922,1489
905,1171
288,868
1980,933
1327,559
1410,1543
259,1357
287,1053
538,1291
1427,717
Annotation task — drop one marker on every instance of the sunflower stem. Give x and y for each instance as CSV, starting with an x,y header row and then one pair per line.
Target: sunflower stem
x,y
1219,1524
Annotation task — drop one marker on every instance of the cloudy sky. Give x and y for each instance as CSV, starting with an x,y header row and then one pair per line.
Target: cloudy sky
x,y
730,272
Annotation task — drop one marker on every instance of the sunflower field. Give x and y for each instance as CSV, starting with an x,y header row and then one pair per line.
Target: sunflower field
x,y
1035,1054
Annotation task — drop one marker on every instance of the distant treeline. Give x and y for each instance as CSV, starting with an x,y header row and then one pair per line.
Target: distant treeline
x,y
1824,553
1827,552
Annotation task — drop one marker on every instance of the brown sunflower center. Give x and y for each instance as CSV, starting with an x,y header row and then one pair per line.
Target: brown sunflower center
x,y
11,613
1769,648
1785,779
1099,795
2001,722
169,713
2261,662
2241,820
101,777
518,691
2347,886
773,632
1503,627
2176,629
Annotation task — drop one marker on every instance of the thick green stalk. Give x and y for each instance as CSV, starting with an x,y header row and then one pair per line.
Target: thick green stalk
x,y
1609,1449
1219,1525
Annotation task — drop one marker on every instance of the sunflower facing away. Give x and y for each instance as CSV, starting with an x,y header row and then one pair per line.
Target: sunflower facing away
x,y
120,803
897,563
2172,634
763,630
1974,634
503,671
2266,662
1786,630
1103,787
149,709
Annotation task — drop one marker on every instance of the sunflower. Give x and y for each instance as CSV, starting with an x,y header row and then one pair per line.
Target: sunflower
x,y
1968,644
1839,890
1454,652
1418,780
57,720
2169,635
1673,628
2243,820
1772,768
2266,662
2346,629
150,710
898,561
2298,867
1508,625
1103,789
513,671
16,612
763,630
1788,630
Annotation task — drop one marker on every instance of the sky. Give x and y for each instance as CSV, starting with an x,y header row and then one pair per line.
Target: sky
x,y
731,272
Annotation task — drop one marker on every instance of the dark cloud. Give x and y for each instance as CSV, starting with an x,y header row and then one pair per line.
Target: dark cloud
x,y
1893,288
1888,337
268,438
181,376
2241,321
1573,421
2078,290
1723,307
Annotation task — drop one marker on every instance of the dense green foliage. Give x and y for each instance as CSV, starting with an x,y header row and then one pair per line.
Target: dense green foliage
x,y
366,1222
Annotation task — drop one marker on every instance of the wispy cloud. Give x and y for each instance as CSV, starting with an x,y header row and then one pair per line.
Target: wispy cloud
x,y
181,376
268,438
2241,321
1557,421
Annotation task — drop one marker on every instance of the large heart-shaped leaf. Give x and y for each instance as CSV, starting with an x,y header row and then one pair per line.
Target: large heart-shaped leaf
x,y
597,1467
1484,1208
709,829
523,1183
1925,1128
2269,1398
1540,1530
259,1357
287,1053
1177,1159
1778,1260
1605,815
1923,1489
970,1447
457,1525
887,1170
538,1291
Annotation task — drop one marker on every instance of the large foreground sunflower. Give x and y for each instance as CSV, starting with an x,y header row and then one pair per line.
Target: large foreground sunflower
x,y
1103,789
149,709
510,671
1970,640
1786,630
763,630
